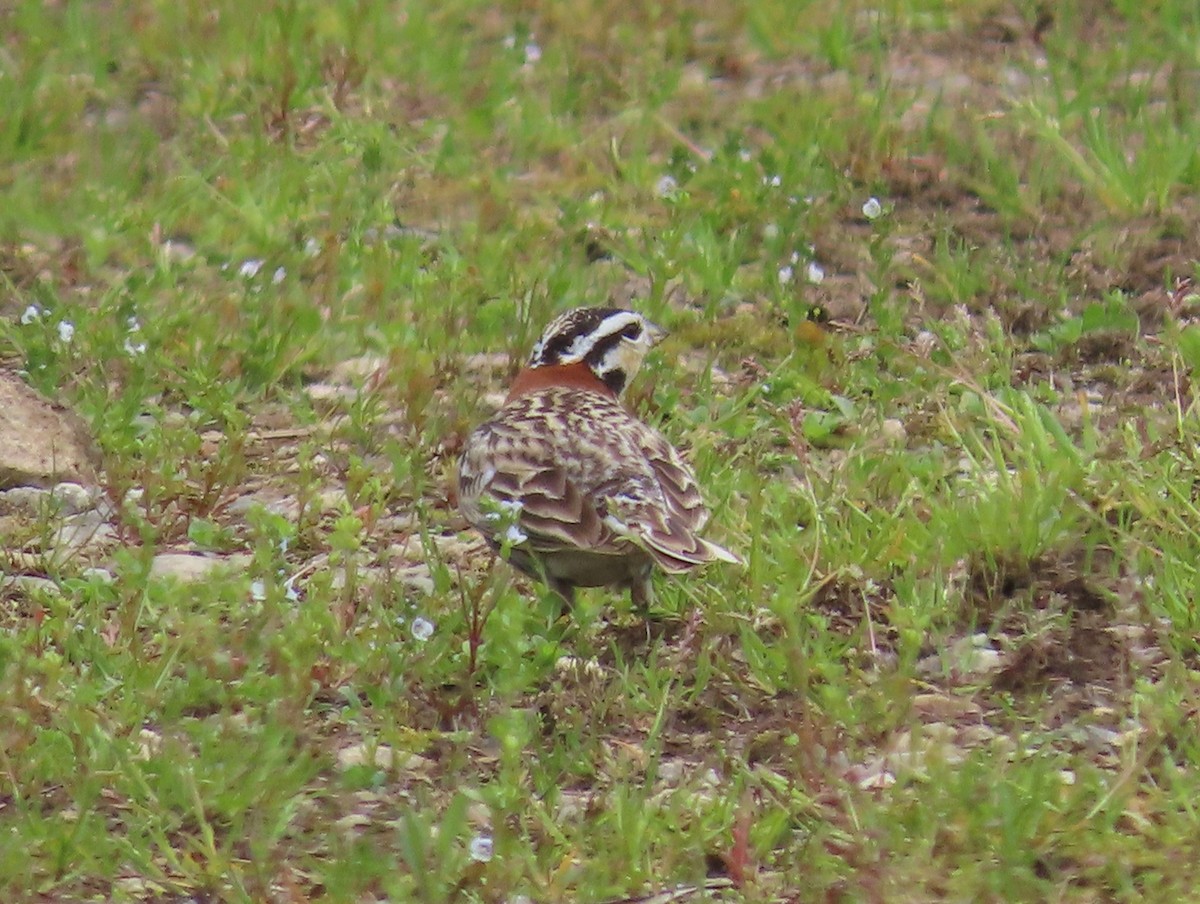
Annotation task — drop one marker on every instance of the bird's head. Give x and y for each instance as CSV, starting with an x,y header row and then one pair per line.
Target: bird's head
x,y
612,342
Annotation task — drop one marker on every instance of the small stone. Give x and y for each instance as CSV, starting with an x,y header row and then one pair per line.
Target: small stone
x,y
188,568
982,662
355,371
876,781
328,393
944,706
395,524
672,771
29,584
74,498
893,430
24,500
331,499
149,743
381,756
976,736
62,499
83,531
694,79
490,364
417,578
177,250
578,668
572,806
973,655
286,506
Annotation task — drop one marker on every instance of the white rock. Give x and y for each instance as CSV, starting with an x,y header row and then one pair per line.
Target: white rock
x,y
87,529
75,498
62,499
188,567
28,584
416,577
24,500
355,370
381,756
893,430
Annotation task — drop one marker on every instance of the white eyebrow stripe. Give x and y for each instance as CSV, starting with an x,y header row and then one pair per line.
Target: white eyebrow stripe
x,y
581,346
609,326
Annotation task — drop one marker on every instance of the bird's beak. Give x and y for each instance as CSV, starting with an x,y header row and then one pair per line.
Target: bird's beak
x,y
655,333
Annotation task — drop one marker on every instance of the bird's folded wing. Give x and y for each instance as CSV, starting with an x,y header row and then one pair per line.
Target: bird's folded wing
x,y
550,509
676,481
634,509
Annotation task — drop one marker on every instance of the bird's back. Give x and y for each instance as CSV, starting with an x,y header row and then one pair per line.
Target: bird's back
x,y
579,470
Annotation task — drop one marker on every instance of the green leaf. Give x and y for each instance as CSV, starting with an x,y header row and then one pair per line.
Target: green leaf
x,y
1189,348
1112,314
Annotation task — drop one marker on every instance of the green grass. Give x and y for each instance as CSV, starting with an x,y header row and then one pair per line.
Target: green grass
x,y
973,441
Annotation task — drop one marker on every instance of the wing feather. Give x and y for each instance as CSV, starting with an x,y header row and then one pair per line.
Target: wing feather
x,y
600,482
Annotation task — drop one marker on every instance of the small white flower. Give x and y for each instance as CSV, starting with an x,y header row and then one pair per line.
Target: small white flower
x,y
745,156
773,181
506,510
770,231
66,331
422,628
510,41
666,186
515,535
533,53
816,272
30,314
278,276
249,268
311,247
258,591
872,208
133,346
482,848
785,275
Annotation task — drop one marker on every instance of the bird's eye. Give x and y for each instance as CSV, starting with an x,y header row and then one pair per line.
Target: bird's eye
x,y
633,331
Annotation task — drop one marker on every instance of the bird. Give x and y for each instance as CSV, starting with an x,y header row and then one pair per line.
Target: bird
x,y
568,484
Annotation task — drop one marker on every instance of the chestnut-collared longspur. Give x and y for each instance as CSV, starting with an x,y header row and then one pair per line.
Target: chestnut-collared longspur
x,y
577,490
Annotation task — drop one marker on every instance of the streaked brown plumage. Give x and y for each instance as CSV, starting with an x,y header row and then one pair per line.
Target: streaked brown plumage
x,y
578,490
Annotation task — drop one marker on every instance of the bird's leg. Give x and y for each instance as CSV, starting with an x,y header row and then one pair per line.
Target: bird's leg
x,y
564,589
641,594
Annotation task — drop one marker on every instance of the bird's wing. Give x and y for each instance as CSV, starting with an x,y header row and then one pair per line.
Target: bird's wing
x,y
568,490
503,479
661,508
